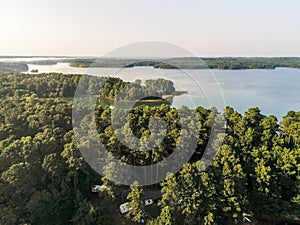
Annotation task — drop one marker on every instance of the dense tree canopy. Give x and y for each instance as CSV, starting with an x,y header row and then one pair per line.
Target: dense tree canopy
x,y
44,179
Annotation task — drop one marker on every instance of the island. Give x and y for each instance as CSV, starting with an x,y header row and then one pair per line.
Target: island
x,y
34,71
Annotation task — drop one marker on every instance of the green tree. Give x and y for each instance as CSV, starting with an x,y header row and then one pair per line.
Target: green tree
x,y
136,203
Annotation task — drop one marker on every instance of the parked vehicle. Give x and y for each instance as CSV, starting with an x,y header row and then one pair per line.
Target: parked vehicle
x,y
98,188
180,201
124,208
148,201
246,219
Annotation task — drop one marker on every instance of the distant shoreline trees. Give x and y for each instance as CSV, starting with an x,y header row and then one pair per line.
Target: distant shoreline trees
x,y
224,63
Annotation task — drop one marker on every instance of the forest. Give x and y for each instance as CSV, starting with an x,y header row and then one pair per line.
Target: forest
x,y
117,89
44,179
13,67
231,63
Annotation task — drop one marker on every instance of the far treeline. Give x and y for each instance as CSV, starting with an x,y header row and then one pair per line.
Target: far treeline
x,y
227,63
44,179
224,63
13,67
23,66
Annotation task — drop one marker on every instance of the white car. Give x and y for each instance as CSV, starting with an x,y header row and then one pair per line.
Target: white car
x,y
124,208
148,201
180,201
98,188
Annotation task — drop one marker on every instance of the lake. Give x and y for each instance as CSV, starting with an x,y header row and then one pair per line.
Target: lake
x,y
273,91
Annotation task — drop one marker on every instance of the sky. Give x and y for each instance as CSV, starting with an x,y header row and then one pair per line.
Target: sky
x,y
95,27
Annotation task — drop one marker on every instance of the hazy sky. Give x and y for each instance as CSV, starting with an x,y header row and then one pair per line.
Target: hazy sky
x,y
94,27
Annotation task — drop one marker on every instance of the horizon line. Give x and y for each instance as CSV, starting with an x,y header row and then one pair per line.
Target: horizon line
x,y
148,57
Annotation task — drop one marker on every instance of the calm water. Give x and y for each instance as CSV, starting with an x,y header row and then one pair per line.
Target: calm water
x,y
273,91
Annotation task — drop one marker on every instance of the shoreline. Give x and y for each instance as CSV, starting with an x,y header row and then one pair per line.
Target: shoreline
x,y
158,100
